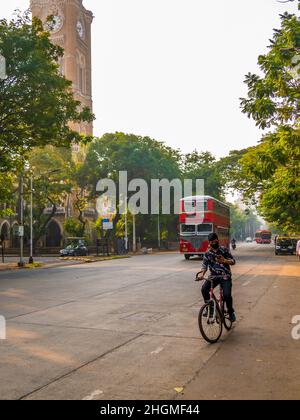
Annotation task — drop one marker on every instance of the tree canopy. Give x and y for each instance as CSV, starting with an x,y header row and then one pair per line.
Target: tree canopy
x,y
36,101
270,172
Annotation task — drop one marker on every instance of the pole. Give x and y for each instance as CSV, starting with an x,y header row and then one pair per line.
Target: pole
x,y
31,220
158,228
21,226
134,233
126,226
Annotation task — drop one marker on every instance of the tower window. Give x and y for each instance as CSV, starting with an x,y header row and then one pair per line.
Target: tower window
x,y
81,78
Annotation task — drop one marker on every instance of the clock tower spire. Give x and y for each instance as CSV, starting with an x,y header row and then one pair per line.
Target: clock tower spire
x,y
72,31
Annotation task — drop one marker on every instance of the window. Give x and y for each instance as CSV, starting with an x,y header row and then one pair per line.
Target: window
x,y
81,79
192,206
221,209
188,229
205,228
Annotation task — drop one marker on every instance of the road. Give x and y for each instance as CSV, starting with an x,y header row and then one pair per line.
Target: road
x,y
128,329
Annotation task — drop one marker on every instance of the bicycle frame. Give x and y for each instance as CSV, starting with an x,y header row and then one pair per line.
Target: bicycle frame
x,y
217,301
213,298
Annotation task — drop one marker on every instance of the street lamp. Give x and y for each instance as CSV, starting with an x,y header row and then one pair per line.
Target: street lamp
x,y
21,263
158,231
31,209
31,220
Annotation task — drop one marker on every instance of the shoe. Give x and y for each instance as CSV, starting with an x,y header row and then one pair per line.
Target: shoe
x,y
211,312
232,317
205,312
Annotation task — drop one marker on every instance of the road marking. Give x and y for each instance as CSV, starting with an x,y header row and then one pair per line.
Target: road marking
x,y
246,284
158,350
92,395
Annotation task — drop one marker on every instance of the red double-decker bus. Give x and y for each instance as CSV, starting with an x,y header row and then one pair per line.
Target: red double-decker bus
x,y
200,216
263,237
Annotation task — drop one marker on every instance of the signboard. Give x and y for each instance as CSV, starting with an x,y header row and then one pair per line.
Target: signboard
x,y
18,230
106,208
107,225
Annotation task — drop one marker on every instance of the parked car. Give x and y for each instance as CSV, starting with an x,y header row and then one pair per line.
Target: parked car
x,y
75,249
248,239
284,245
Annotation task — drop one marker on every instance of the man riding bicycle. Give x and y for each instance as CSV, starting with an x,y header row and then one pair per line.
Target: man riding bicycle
x,y
218,260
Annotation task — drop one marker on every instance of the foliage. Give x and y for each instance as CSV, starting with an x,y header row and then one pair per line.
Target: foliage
x,y
270,172
36,102
243,223
73,227
204,166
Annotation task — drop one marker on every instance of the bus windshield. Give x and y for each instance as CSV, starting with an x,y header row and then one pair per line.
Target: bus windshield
x,y
188,228
205,228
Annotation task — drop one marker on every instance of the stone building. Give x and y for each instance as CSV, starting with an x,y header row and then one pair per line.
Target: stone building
x,y
71,30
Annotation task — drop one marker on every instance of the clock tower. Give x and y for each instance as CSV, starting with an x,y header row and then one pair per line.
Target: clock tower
x,y
71,30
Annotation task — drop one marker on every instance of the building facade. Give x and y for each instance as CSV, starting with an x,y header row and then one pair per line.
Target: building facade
x,y
71,30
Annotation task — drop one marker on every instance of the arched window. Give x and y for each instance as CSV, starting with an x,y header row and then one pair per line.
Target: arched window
x,y
81,72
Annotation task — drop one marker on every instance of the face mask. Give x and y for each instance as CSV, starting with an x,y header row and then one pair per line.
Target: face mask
x,y
215,246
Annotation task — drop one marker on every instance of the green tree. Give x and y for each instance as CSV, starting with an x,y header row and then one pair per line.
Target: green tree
x,y
36,102
204,166
73,227
270,172
52,169
141,157
243,223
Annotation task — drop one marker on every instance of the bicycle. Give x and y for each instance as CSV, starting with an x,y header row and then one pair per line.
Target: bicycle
x,y
213,315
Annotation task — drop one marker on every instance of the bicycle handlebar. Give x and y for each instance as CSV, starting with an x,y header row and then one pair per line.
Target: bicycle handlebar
x,y
209,278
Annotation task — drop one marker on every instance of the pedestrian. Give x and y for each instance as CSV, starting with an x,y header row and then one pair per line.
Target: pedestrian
x,y
298,249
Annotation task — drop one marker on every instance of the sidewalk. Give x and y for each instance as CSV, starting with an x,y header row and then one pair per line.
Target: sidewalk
x,y
53,262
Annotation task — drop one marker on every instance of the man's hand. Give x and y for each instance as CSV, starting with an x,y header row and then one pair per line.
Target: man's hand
x,y
223,260
200,276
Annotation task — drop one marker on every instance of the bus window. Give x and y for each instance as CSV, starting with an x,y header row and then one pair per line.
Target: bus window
x,y
190,206
201,206
188,229
205,228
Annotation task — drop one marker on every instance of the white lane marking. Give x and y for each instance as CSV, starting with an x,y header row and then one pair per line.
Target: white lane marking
x,y
92,395
158,350
246,284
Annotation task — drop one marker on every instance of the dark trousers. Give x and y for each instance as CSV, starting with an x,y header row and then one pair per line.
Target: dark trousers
x,y
227,291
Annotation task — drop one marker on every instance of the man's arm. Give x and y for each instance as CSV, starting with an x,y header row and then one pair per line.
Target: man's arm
x,y
227,258
204,269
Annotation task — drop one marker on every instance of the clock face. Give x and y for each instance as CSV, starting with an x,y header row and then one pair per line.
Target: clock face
x,y
80,29
55,24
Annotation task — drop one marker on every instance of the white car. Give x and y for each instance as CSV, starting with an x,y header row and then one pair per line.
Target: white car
x,y
248,239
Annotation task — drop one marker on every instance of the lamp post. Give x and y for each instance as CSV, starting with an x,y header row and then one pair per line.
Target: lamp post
x,y
31,208
126,225
158,231
21,222
134,233
31,220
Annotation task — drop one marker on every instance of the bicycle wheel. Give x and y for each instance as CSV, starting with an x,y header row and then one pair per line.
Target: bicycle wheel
x,y
210,323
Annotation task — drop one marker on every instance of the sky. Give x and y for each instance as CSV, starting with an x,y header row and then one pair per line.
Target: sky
x,y
174,69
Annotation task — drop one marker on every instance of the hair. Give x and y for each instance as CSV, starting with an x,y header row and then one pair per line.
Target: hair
x,y
212,237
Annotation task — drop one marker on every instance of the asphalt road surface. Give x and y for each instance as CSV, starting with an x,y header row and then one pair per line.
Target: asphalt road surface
x,y
128,329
